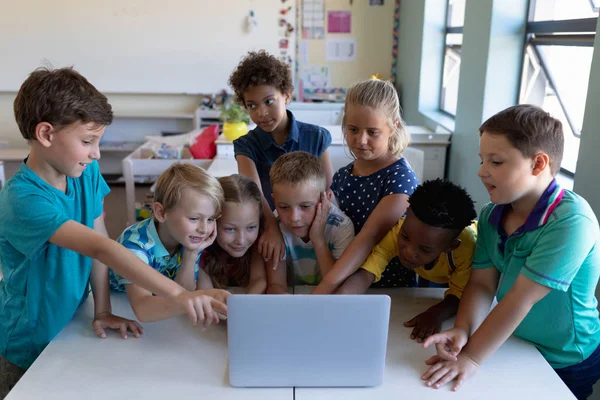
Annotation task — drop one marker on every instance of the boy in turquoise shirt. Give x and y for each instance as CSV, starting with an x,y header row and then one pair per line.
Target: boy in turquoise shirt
x,y
537,250
51,226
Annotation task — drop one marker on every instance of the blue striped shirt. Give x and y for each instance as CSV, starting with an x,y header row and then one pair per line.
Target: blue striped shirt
x,y
142,240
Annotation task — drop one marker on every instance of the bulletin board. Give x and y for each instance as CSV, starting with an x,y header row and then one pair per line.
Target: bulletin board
x,y
341,42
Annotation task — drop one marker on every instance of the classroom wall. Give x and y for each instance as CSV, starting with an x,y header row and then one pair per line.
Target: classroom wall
x,y
372,27
8,127
121,103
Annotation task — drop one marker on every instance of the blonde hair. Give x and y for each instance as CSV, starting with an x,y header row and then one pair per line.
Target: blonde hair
x,y
180,176
298,167
237,189
382,96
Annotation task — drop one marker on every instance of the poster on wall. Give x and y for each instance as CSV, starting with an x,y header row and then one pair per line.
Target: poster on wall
x,y
339,21
313,19
375,2
315,76
341,49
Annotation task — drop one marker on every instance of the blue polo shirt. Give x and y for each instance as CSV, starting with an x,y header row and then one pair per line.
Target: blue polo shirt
x,y
261,148
558,247
43,283
142,240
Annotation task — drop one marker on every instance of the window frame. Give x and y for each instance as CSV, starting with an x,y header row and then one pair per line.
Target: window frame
x,y
447,30
568,32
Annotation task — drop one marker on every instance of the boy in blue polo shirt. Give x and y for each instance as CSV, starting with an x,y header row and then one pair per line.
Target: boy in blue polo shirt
x,y
537,250
52,226
187,201
263,85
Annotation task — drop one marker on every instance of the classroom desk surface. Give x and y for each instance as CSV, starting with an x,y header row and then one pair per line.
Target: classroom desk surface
x,y
174,359
515,371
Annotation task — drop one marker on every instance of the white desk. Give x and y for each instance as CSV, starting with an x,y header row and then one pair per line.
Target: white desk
x,y
172,360
516,371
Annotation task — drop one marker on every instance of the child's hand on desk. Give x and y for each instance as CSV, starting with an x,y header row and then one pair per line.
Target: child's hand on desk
x,y
441,371
424,325
202,308
448,343
108,320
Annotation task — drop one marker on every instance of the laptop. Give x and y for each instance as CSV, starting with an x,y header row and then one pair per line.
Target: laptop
x,y
307,340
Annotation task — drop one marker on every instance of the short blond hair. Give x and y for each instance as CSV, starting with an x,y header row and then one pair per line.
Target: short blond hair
x,y
180,176
382,96
298,167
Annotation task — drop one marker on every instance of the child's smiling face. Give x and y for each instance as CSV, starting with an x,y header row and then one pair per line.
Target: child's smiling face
x,y
237,229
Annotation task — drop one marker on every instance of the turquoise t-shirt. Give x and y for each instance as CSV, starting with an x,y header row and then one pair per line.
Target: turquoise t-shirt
x,y
558,247
43,284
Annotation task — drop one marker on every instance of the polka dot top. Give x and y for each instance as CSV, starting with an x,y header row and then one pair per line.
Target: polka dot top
x,y
359,195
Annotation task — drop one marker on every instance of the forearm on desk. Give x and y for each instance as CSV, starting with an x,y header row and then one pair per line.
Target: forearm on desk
x,y
276,288
149,308
277,279
505,318
349,262
99,282
496,329
476,300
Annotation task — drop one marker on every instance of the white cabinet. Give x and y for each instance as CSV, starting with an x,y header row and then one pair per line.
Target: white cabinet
x,y
318,113
433,145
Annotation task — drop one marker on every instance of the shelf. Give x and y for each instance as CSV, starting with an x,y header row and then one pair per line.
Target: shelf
x,y
119,147
160,115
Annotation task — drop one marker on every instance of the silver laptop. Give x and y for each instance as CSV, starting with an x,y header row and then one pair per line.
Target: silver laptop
x,y
307,340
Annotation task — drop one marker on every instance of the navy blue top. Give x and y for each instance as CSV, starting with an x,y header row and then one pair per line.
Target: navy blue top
x,y
359,195
260,147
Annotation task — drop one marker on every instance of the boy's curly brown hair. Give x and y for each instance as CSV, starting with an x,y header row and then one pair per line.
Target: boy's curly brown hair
x,y
260,68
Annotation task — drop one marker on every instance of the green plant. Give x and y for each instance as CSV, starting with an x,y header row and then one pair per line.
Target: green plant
x,y
234,114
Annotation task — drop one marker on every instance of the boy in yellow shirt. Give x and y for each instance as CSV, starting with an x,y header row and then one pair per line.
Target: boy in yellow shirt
x,y
436,239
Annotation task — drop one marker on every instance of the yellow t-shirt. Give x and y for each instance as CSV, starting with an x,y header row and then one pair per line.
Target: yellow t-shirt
x,y
453,268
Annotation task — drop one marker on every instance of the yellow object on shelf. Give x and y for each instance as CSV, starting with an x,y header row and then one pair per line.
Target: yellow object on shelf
x,y
232,131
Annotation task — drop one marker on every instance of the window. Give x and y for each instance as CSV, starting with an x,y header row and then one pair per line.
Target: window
x,y
455,19
557,62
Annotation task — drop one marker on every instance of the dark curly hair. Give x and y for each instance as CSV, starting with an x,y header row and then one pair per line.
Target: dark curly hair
x,y
443,204
260,68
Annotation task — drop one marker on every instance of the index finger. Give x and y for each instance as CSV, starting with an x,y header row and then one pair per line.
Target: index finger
x,y
435,339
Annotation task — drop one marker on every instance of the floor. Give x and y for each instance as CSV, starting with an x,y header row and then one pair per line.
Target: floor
x,y
115,216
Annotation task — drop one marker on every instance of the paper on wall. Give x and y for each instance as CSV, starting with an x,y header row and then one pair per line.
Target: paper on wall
x,y
313,19
341,49
315,76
